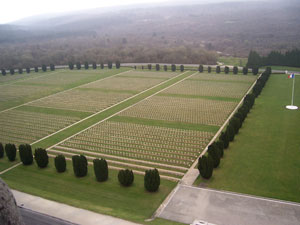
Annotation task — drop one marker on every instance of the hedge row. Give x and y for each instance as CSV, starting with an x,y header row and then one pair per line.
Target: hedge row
x,y
80,165
94,65
215,151
52,67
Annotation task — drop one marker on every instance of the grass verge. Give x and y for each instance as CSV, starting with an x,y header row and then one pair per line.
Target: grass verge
x,y
131,203
264,158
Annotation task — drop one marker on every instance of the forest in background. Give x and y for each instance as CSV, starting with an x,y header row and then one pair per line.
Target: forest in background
x,y
166,34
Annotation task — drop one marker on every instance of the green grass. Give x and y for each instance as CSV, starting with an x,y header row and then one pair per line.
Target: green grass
x,y
264,158
164,123
131,203
80,126
217,98
233,61
5,163
297,69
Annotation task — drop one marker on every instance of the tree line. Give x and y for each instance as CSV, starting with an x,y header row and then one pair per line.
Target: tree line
x,y
215,151
80,165
274,58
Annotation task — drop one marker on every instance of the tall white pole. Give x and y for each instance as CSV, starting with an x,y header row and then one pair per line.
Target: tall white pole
x,y
293,89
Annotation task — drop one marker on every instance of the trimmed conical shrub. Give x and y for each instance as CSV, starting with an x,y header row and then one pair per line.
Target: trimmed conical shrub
x,y
11,151
152,180
225,138
1,150
220,145
79,165
206,166
214,152
100,169
235,123
231,132
60,163
41,157
126,177
25,153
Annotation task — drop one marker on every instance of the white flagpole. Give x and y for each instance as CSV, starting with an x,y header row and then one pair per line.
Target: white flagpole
x,y
293,90
293,107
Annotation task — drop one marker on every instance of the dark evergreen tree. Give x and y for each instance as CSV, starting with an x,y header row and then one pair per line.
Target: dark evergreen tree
x,y
71,66
173,67
214,152
94,65
235,70
240,117
231,132
181,68
1,150
80,165
78,65
100,169
12,71
235,123
226,69
3,71
255,70
245,70
36,69
109,65
10,151
157,67
52,67
165,68
25,153
218,69
152,180
27,70
118,64
86,65
209,69
254,60
44,68
60,163
41,157
249,100
220,145
225,138
206,166
126,177
200,69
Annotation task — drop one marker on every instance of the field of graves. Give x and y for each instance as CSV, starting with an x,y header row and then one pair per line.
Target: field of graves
x,y
135,119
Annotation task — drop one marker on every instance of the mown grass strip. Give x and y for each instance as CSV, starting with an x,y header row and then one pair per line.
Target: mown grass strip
x,y
221,81
164,123
108,90
216,98
47,142
54,111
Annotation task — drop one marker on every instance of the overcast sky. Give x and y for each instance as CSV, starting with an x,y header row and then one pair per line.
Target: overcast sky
x,y
12,10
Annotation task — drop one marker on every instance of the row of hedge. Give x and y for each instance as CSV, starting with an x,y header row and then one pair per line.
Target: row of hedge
x,y
52,67
80,165
94,65
28,70
215,151
235,69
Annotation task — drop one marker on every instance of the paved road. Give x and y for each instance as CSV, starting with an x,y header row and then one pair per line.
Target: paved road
x,y
226,208
34,218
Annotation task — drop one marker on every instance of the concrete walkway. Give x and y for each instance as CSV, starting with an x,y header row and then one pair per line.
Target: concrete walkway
x,y
226,208
65,212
